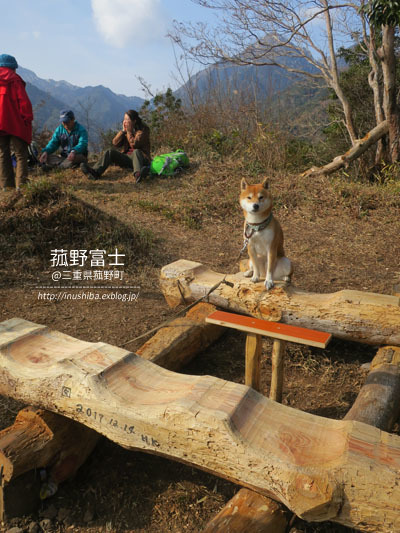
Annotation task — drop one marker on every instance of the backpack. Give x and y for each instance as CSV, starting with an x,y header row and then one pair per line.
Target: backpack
x,y
33,156
169,164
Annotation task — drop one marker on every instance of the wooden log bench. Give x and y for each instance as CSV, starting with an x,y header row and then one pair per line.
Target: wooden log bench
x,y
40,439
377,404
321,469
280,333
352,315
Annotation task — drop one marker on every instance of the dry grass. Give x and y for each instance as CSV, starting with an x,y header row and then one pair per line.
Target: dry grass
x,y
49,217
339,234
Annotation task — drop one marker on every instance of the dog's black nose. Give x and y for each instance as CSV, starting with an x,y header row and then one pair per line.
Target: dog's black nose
x,y
255,207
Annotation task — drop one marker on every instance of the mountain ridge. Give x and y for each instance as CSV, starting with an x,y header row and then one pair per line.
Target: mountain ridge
x,y
97,107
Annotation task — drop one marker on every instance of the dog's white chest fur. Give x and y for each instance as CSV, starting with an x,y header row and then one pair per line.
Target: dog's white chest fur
x,y
261,241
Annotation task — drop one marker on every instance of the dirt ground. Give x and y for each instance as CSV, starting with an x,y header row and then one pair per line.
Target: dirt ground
x,y
339,235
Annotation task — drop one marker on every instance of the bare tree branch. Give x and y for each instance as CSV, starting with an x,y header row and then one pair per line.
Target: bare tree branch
x,y
359,147
277,34
302,38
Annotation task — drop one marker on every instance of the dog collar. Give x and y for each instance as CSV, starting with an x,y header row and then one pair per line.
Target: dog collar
x,y
252,228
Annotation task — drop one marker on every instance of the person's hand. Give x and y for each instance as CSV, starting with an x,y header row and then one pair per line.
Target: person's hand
x,y
43,157
71,156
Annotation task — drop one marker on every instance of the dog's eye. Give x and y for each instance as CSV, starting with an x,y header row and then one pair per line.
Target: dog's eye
x,y
249,197
260,197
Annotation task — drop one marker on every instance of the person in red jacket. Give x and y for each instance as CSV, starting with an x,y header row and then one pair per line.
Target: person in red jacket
x,y
15,124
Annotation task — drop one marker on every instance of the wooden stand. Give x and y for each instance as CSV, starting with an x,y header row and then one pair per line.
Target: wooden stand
x,y
278,354
281,333
252,360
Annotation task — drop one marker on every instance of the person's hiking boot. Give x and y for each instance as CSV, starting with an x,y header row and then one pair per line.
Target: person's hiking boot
x,y
90,172
44,167
141,174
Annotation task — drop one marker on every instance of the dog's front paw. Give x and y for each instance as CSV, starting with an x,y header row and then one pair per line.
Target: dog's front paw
x,y
248,273
269,284
255,279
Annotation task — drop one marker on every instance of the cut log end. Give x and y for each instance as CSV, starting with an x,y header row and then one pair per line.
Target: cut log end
x,y
315,498
249,512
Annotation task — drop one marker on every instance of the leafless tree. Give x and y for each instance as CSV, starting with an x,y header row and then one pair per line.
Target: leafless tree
x,y
299,36
86,111
253,32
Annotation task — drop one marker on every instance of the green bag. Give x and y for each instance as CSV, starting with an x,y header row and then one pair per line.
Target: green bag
x,y
169,164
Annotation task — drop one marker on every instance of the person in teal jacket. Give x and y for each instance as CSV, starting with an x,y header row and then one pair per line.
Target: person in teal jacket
x,y
72,138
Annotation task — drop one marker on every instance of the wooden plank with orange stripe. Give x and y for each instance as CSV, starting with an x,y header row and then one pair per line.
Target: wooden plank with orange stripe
x,y
255,328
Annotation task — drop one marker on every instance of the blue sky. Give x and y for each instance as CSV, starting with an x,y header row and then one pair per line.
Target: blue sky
x,y
97,42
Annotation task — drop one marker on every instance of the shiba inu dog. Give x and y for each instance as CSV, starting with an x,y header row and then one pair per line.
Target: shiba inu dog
x,y
263,235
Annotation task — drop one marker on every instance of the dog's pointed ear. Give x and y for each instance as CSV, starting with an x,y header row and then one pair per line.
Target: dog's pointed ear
x,y
243,184
265,184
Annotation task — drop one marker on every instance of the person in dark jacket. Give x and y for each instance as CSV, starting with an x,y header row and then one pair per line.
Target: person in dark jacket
x,y
15,124
72,138
133,149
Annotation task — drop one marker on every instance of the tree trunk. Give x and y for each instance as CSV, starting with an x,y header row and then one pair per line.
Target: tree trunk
x,y
351,155
351,315
321,469
396,290
334,74
387,55
376,86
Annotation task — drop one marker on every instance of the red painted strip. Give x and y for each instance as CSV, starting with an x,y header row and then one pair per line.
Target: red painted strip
x,y
272,327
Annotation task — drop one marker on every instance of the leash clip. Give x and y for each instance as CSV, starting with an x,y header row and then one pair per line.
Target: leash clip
x,y
245,243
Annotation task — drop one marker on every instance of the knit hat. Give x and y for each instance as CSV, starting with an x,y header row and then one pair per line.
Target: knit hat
x,y
8,61
66,115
